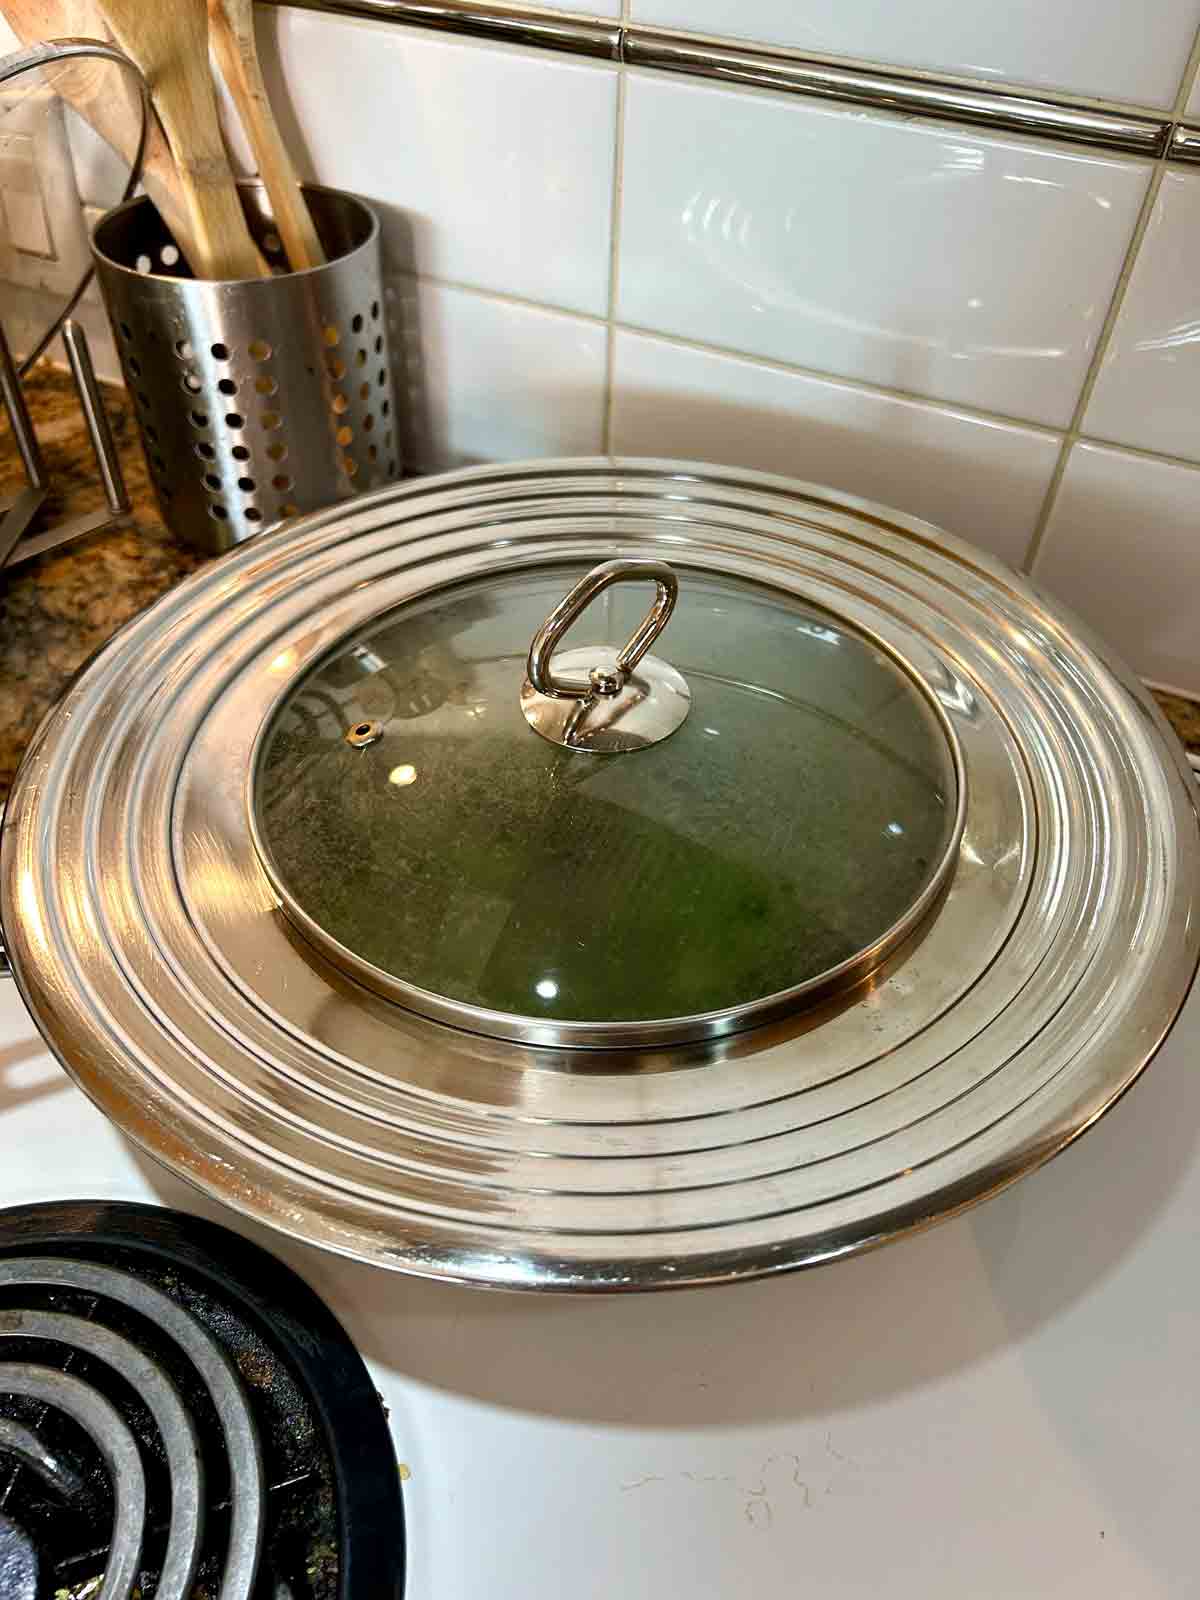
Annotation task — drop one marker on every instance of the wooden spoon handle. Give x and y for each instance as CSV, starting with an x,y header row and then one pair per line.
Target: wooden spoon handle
x,y
231,33
108,101
169,41
189,117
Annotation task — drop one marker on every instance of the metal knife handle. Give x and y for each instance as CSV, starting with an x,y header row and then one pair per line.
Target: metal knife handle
x,y
602,680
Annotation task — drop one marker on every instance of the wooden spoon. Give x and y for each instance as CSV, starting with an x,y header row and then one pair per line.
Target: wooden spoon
x,y
231,31
168,39
106,99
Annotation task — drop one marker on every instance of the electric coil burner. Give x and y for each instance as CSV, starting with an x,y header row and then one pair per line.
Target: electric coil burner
x,y
181,1418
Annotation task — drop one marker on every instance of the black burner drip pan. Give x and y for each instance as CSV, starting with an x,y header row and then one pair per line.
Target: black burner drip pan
x,y
181,1416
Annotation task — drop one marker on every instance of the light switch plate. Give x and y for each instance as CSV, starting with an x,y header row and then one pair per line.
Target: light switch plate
x,y
43,238
26,219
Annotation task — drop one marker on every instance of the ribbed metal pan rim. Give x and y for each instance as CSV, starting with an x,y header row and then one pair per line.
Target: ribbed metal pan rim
x,y
754,1154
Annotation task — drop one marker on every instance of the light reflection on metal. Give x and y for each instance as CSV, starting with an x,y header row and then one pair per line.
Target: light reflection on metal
x,y
157,963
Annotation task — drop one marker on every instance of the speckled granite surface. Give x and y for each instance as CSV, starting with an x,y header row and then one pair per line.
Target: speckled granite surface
x,y
56,610
1184,717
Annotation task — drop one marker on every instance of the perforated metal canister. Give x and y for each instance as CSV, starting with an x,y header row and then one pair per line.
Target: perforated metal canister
x,y
259,398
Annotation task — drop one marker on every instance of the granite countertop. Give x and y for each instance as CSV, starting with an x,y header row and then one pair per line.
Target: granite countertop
x,y
59,608
1184,717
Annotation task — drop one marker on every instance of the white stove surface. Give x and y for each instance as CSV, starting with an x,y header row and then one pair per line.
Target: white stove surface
x,y
1008,1405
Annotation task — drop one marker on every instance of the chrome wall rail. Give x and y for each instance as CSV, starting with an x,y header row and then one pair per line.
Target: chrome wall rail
x,y
888,91
787,72
574,35
1185,144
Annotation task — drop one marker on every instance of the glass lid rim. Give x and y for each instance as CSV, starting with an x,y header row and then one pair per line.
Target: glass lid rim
x,y
628,1033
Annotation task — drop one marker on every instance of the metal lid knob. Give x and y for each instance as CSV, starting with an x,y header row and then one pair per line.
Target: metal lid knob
x,y
626,699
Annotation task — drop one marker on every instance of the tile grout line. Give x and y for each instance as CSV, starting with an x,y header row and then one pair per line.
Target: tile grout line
x,y
972,413
785,369
1188,82
1139,450
614,260
729,353
861,385
597,319
1075,428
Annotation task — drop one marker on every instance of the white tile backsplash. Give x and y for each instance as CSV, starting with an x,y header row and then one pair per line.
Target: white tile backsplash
x,y
1148,391
1093,47
100,174
972,269
493,166
495,381
1123,548
822,291
980,479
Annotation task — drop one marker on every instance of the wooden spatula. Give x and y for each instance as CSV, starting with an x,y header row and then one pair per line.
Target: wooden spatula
x,y
231,32
168,39
107,99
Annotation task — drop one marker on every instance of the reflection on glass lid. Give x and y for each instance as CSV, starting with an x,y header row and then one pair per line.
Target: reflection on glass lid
x,y
409,810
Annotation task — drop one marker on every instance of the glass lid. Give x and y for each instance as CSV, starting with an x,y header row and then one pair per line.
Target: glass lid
x,y
695,846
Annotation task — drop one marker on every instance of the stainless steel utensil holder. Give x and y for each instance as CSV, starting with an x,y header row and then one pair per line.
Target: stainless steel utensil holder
x,y
259,398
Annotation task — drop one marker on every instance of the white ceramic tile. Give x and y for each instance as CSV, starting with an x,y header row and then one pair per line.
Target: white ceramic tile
x,y
494,381
1148,391
971,269
1094,47
28,312
1123,548
982,480
100,173
493,166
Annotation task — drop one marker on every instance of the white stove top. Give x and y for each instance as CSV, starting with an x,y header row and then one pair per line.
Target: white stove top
x,y
1006,1406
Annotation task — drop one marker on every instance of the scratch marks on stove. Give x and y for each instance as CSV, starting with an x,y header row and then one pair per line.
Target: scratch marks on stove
x,y
786,1482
